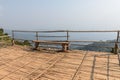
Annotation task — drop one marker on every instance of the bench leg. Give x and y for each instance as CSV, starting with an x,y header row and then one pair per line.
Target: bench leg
x,y
36,45
64,47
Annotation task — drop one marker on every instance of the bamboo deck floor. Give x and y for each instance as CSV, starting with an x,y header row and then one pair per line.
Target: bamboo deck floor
x,y
19,64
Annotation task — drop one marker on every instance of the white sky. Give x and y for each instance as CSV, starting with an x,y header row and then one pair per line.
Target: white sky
x,y
1,12
60,14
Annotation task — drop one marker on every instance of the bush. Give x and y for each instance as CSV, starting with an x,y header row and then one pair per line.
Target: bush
x,y
1,31
5,33
25,42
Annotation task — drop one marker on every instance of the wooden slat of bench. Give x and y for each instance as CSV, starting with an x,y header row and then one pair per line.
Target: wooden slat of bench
x,y
50,42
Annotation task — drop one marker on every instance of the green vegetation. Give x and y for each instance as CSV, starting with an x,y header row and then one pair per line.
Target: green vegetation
x,y
25,42
1,32
4,38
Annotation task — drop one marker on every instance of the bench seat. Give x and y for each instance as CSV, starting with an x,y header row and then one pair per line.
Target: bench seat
x,y
64,44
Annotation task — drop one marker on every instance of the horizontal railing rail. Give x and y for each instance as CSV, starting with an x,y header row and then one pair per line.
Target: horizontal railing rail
x,y
69,31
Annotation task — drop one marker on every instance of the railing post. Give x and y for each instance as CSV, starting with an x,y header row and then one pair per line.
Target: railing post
x,y
68,39
116,48
13,41
67,35
36,35
119,58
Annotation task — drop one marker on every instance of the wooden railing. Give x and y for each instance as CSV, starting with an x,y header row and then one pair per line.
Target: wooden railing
x,y
66,36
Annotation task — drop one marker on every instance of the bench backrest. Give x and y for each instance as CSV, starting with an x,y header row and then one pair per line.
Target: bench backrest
x,y
51,42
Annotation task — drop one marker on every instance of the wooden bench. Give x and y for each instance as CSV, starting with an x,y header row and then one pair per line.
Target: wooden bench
x,y
63,44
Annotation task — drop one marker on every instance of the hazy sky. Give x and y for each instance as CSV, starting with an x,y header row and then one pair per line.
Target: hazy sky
x,y
60,14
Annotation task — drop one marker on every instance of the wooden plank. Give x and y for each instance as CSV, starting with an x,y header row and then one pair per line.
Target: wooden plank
x,y
93,68
69,31
39,31
52,36
40,66
77,70
108,71
50,42
90,41
94,31
49,67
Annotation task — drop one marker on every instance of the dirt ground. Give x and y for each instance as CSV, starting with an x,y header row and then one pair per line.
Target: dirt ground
x,y
22,63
